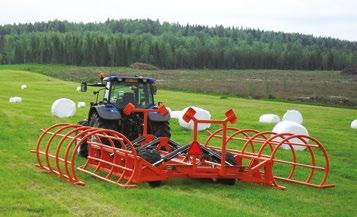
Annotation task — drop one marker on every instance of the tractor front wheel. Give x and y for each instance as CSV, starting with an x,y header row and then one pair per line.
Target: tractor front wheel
x,y
226,181
230,159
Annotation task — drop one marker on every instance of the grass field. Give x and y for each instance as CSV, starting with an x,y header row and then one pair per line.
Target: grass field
x,y
26,191
313,87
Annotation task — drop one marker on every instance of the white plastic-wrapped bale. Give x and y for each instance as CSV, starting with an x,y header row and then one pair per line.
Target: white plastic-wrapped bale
x,y
15,99
175,114
293,128
294,116
78,89
354,124
201,114
63,108
169,110
23,87
269,118
81,104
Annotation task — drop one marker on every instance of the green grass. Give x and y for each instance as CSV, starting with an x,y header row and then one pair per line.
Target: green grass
x,y
313,87
26,191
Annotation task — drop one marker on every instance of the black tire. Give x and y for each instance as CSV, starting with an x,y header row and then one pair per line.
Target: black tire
x,y
151,156
160,129
230,159
83,123
83,150
96,121
226,181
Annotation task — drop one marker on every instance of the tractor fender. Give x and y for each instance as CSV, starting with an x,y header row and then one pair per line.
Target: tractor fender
x,y
157,117
106,112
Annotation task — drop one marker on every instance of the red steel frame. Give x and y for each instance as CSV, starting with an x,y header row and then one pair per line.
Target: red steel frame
x,y
113,158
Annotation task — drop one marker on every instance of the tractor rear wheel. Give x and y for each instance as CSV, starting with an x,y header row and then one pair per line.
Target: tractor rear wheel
x,y
151,156
83,150
96,121
160,129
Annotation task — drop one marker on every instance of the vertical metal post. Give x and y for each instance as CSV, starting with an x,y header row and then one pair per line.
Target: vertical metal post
x,y
195,131
145,130
195,139
224,148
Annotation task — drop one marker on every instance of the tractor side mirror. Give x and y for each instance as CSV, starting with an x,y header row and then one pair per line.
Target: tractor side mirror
x,y
84,86
154,90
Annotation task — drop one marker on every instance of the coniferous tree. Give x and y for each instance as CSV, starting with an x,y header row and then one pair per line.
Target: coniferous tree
x,y
122,42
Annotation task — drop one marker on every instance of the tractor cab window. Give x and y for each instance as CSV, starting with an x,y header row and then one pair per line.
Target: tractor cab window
x,y
138,94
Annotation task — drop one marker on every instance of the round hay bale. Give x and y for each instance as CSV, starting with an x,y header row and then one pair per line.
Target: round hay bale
x,y
15,99
293,128
269,118
354,124
201,114
81,104
175,114
294,116
63,108
23,87
169,110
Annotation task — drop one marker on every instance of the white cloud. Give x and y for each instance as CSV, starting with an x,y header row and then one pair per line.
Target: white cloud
x,y
318,17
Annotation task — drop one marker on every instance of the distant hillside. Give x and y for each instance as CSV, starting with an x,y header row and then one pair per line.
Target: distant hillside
x,y
168,45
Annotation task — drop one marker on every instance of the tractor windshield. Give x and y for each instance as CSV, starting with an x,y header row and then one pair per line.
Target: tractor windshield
x,y
138,94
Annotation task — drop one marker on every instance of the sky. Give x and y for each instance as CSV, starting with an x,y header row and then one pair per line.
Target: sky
x,y
326,18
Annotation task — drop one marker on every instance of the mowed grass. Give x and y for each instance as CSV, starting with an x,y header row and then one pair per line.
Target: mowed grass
x,y
27,191
314,87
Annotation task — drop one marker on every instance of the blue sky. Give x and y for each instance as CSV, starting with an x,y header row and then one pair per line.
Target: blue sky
x,y
326,18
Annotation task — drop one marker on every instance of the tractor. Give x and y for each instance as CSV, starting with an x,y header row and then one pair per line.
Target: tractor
x,y
119,91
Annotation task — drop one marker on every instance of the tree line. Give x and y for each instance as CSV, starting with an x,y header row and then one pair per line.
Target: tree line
x,y
169,45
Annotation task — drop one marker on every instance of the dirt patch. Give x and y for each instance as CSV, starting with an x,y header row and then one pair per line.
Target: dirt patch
x,y
350,70
143,66
331,100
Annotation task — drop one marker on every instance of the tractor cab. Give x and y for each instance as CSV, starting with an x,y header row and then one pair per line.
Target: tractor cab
x,y
121,90
139,91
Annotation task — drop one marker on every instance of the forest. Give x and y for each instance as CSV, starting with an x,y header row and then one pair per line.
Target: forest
x,y
169,46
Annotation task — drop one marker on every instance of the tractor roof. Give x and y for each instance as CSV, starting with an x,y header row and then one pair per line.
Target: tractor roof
x,y
128,77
